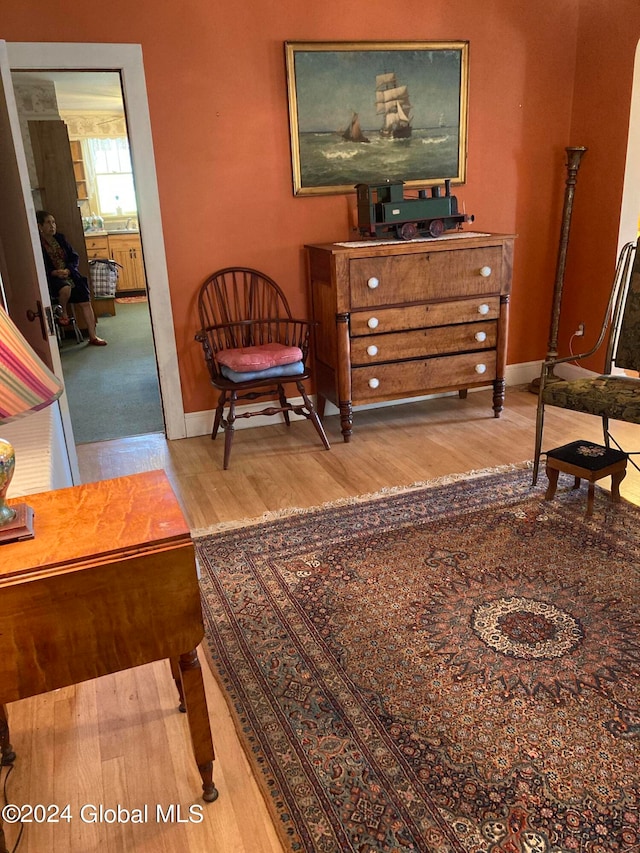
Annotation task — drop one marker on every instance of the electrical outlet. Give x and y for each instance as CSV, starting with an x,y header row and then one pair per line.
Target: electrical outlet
x,y
579,332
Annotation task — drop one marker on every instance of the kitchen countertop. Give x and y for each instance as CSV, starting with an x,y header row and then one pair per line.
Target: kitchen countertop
x,y
98,232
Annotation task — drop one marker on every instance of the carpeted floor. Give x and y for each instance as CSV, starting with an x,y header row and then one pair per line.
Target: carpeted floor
x,y
113,391
450,668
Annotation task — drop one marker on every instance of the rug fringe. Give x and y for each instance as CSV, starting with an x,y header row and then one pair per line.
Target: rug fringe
x,y
387,491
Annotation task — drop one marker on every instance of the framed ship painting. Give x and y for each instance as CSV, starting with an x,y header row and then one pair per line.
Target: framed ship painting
x,y
361,112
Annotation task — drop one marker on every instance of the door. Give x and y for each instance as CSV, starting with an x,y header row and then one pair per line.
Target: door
x,y
127,60
23,274
57,182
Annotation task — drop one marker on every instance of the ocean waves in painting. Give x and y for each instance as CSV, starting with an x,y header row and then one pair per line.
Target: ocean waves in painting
x,y
326,160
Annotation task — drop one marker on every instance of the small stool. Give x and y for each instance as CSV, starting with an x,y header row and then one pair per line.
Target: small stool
x,y
104,306
587,461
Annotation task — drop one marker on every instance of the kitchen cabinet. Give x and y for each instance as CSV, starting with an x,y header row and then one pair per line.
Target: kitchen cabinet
x,y
126,249
402,320
97,246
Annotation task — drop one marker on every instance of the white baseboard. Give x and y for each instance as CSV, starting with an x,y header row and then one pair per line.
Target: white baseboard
x,y
200,423
41,456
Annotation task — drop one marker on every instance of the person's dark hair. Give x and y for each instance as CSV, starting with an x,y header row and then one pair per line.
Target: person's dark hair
x,y
41,215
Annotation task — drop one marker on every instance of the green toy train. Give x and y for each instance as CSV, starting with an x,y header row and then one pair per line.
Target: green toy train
x,y
383,211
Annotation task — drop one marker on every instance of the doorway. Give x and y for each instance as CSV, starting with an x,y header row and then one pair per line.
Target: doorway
x,y
126,59
81,166
630,212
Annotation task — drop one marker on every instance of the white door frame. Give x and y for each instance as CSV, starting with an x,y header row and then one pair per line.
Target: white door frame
x,y
630,211
46,444
127,59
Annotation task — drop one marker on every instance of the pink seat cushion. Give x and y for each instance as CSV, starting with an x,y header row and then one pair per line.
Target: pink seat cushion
x,y
249,359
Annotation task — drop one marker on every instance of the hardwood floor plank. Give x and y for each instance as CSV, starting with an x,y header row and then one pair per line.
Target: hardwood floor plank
x,y
120,739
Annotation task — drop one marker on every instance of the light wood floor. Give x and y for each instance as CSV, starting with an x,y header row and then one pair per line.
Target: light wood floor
x,y
119,740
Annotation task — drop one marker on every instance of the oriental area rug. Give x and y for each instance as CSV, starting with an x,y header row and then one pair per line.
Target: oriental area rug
x,y
453,667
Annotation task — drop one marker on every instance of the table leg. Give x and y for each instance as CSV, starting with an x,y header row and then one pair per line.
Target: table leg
x,y
590,497
195,702
175,671
7,755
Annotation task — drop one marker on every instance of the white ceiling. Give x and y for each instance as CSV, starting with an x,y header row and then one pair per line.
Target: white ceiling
x,y
82,90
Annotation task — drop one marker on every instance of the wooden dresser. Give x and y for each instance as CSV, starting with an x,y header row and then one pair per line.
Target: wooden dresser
x,y
402,320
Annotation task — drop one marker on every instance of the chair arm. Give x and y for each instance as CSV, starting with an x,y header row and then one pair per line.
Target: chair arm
x,y
245,333
623,270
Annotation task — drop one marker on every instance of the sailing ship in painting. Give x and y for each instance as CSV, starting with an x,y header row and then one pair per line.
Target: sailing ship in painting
x,y
354,133
392,102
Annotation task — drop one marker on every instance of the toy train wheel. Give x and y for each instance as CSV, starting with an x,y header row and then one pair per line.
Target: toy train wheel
x,y
436,228
407,231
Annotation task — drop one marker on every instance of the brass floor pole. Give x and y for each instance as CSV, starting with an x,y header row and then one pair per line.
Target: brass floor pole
x,y
574,156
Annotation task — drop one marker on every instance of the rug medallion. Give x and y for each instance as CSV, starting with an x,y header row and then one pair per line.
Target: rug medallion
x,y
450,668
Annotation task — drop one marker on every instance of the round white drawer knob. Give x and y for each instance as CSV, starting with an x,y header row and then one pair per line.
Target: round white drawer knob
x,y
485,272
372,350
481,336
373,383
481,368
483,309
373,282
372,322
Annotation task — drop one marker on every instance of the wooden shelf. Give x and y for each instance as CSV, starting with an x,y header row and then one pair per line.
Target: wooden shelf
x,y
79,170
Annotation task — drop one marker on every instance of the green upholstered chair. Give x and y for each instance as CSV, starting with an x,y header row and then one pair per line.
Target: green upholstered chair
x,y
253,347
610,396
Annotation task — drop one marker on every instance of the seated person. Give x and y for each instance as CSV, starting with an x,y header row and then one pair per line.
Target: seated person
x,y
66,284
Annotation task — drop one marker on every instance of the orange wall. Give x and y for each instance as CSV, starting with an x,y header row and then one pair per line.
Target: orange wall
x,y
608,35
217,95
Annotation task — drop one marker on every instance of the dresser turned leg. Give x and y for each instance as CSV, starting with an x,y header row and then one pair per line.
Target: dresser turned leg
x,y
499,387
3,843
346,419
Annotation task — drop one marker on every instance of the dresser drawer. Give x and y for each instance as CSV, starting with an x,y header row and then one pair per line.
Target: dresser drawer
x,y
414,378
374,349
428,275
384,320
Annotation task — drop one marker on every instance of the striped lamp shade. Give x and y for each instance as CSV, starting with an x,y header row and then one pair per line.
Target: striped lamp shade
x,y
26,383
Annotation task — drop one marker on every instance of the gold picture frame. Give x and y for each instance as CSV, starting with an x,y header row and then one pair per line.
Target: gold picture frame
x,y
361,112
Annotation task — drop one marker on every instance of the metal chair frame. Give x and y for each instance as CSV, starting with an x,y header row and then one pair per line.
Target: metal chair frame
x,y
611,331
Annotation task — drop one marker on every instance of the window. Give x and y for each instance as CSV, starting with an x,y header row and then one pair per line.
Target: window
x,y
114,178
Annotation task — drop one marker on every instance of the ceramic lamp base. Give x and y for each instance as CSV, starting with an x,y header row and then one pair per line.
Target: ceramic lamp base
x,y
21,527
7,466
